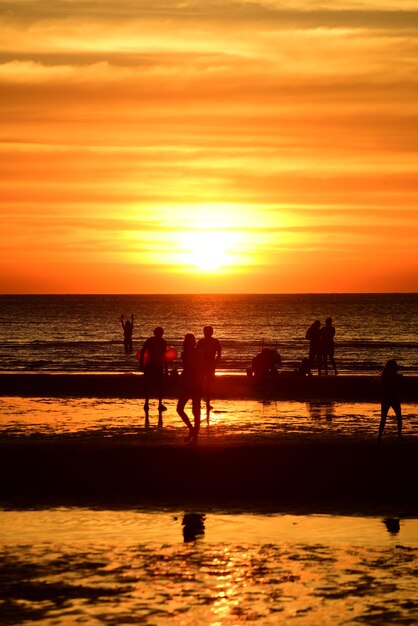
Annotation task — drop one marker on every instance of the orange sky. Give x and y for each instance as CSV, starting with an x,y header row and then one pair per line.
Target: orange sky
x,y
263,146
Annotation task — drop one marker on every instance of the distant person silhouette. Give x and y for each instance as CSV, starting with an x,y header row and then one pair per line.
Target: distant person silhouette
x,y
390,382
304,368
313,334
211,352
265,364
128,327
191,382
154,365
327,345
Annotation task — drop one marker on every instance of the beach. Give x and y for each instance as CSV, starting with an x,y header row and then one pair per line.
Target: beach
x,y
303,477
286,509
314,456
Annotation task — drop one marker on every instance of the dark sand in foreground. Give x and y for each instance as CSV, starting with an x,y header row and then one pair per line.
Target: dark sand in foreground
x,y
337,477
304,475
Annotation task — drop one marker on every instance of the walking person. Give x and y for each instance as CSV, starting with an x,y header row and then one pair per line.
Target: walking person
x,y
327,334
390,382
128,327
152,361
211,353
191,381
313,334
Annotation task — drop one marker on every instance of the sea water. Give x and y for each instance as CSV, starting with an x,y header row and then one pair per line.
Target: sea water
x,y
78,333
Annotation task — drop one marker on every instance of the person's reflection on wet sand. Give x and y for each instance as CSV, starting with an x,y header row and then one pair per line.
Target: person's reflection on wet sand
x,y
193,526
319,410
393,525
147,422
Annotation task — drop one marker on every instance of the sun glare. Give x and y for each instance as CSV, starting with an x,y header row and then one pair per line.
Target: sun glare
x,y
208,251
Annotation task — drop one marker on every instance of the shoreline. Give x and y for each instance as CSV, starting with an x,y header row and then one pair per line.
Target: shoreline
x,y
360,388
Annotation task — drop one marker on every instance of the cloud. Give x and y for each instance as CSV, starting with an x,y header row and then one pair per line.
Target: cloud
x,y
291,123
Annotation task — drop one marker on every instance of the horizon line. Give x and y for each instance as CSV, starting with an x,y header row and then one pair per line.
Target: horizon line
x,y
221,293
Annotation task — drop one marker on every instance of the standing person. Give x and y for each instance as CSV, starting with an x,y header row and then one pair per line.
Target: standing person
x,y
390,382
153,362
128,327
313,334
191,380
211,354
327,345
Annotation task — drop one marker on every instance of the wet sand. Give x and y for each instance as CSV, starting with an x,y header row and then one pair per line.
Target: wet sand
x,y
285,386
338,477
93,502
275,455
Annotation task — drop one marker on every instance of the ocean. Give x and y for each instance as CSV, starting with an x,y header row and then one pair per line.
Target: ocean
x,y
82,333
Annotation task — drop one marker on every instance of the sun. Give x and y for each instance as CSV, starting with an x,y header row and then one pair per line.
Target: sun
x,y
208,251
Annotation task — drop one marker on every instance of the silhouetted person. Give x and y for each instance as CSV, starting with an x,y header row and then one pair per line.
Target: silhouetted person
x,y
152,361
265,363
191,383
390,382
304,368
313,334
327,334
128,327
211,351
193,526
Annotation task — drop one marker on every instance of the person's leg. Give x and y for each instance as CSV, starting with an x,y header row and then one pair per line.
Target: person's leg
x,y
383,414
196,414
160,390
208,391
311,357
180,410
331,358
398,413
147,388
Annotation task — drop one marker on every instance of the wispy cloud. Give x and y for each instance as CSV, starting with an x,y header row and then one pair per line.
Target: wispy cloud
x,y
291,123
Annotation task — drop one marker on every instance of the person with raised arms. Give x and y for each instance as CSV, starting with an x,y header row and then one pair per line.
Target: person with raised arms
x,y
128,327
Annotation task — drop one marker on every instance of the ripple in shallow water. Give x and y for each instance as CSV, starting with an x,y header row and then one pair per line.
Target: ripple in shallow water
x,y
105,567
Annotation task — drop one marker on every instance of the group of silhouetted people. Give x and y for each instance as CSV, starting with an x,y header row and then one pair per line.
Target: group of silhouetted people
x,y
199,360
321,345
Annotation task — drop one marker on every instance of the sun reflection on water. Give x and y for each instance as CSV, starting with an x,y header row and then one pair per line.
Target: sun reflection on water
x,y
116,566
